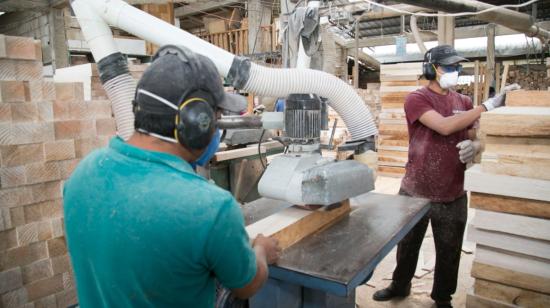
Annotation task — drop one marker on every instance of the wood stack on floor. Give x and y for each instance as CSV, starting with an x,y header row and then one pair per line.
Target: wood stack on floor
x,y
45,130
371,98
397,81
510,191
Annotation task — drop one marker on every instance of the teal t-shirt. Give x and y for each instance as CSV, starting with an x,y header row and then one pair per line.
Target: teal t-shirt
x,y
144,230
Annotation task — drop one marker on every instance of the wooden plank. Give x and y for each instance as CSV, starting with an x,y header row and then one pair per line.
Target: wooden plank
x,y
516,165
510,295
510,277
537,228
510,205
509,242
237,153
517,156
292,224
391,171
528,98
391,89
504,75
517,121
518,263
476,301
476,180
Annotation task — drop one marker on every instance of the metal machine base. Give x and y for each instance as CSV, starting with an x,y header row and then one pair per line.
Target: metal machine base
x,y
280,294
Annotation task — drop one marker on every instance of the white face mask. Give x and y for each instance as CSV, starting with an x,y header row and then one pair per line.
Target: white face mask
x,y
448,80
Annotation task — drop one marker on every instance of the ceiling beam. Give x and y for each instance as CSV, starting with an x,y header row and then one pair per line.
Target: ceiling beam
x,y
200,7
23,5
460,33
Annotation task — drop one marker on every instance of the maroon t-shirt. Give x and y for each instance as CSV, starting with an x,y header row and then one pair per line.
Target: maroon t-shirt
x,y
434,170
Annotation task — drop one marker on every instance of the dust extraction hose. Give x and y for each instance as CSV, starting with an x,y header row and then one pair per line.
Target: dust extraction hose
x,y
245,75
119,85
278,82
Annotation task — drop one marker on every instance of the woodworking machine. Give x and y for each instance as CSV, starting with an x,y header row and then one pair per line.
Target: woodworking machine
x,y
302,176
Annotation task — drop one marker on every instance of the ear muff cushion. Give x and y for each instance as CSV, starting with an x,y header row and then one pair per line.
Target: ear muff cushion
x,y
195,124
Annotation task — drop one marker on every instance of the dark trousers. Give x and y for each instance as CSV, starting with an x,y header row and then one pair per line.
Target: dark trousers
x,y
448,223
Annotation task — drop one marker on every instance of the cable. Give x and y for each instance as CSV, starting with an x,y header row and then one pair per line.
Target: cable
x,y
260,149
453,14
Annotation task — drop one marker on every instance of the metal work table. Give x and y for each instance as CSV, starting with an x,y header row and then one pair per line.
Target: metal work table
x,y
324,269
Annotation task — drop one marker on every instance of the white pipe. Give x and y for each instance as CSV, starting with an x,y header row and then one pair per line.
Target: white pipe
x,y
261,80
343,98
95,30
130,19
120,89
416,35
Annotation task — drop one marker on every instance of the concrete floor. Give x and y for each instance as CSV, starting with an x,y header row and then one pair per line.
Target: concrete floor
x,y
421,287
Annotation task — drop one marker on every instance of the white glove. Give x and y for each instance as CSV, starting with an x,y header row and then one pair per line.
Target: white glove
x,y
498,100
467,150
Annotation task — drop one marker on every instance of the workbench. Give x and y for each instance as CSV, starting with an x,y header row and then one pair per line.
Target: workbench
x,y
324,269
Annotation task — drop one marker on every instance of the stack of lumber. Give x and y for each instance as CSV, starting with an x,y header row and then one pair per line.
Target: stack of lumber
x,y
529,76
510,191
397,81
45,130
371,98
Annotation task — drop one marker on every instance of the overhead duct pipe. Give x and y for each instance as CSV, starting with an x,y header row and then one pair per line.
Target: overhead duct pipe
x,y
511,19
245,75
119,85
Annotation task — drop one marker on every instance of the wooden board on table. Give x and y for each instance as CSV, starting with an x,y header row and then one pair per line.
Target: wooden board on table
x,y
510,242
476,180
476,301
510,205
510,295
292,224
516,121
510,277
531,227
528,98
393,141
237,153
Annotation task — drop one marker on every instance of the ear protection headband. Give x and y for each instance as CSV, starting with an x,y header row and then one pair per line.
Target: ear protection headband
x,y
428,69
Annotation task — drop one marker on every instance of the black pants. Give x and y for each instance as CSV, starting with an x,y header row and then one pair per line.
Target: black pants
x,y
448,223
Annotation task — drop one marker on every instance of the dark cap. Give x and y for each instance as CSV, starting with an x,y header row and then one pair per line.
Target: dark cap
x,y
444,54
177,74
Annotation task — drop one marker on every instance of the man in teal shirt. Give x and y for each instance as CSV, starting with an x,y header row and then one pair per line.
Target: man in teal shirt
x,y
143,229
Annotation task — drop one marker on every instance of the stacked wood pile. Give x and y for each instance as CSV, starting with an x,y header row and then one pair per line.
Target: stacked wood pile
x,y
529,77
45,130
510,191
397,81
371,97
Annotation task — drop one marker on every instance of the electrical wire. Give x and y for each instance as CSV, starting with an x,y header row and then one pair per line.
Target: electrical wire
x,y
452,14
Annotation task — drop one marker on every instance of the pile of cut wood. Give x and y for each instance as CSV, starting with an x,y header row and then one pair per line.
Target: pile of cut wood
x,y
510,191
398,80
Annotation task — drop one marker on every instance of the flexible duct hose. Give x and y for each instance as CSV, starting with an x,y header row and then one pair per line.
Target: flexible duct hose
x,y
281,82
121,91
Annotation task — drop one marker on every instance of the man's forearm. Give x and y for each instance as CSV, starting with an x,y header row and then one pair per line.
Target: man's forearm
x,y
262,272
463,120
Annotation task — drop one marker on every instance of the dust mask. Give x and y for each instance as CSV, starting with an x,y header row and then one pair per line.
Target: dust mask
x,y
448,80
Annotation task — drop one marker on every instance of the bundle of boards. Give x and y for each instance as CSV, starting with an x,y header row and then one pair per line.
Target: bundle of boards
x,y
397,81
510,191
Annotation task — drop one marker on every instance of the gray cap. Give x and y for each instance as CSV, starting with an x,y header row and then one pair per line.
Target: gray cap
x,y
445,54
177,74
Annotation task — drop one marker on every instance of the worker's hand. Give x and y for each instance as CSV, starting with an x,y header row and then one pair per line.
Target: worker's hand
x,y
270,246
467,150
510,87
498,100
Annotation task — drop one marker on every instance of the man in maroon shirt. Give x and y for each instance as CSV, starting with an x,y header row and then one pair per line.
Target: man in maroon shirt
x,y
441,142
